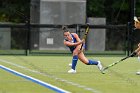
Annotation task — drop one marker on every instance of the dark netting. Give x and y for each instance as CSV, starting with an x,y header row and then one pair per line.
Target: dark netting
x,y
48,39
13,40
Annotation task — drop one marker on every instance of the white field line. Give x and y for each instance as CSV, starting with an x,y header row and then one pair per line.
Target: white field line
x,y
42,83
52,76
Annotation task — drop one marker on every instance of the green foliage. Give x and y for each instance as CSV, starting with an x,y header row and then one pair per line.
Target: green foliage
x,y
138,8
115,11
95,8
14,10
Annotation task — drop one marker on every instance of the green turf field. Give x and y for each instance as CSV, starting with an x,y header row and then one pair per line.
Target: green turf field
x,y
120,78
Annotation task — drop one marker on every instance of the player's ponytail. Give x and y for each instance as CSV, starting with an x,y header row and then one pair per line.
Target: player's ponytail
x,y
65,29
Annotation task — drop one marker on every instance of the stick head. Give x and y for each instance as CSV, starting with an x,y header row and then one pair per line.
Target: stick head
x,y
103,72
87,24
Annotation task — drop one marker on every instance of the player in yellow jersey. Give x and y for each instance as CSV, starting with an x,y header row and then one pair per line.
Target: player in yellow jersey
x,y
137,26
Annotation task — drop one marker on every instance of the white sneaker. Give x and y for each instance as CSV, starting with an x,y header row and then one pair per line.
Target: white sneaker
x,y
99,65
138,73
139,58
70,65
72,71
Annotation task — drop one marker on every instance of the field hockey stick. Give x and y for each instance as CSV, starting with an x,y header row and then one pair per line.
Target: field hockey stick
x,y
131,55
85,35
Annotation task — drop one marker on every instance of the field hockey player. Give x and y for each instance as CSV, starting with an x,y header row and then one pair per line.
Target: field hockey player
x,y
74,43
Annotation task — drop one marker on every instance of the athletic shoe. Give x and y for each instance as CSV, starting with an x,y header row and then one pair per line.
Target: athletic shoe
x,y
70,64
138,73
139,58
99,65
72,71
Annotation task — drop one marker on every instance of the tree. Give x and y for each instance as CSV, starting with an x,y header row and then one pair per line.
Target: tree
x,y
115,11
14,10
95,8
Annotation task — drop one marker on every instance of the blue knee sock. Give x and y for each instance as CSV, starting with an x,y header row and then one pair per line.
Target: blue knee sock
x,y
74,61
91,62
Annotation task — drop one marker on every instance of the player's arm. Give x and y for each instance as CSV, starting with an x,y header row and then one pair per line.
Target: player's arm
x,y
74,44
137,25
79,40
77,37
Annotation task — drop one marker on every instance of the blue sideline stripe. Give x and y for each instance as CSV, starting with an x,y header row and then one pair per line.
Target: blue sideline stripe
x,y
54,88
